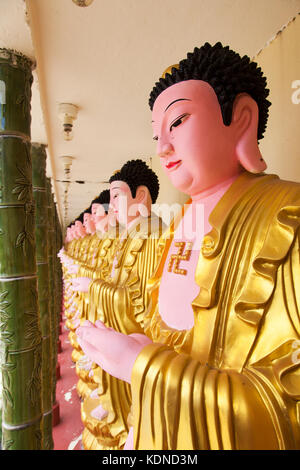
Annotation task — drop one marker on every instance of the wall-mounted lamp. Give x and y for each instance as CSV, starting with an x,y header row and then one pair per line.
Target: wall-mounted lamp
x,y
67,113
67,161
83,3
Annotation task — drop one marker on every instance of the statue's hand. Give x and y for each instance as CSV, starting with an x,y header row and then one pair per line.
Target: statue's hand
x,y
73,268
112,351
81,284
61,252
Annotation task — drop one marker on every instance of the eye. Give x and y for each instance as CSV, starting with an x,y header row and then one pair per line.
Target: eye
x,y
155,137
179,121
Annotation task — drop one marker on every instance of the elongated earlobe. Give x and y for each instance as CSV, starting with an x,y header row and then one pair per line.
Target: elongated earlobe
x,y
143,200
143,210
245,117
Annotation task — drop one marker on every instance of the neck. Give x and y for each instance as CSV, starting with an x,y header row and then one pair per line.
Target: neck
x,y
142,213
131,221
213,190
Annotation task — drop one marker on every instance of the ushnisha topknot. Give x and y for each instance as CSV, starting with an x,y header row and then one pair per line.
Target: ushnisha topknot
x,y
137,173
227,72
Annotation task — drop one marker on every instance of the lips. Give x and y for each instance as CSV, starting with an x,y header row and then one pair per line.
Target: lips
x,y
172,165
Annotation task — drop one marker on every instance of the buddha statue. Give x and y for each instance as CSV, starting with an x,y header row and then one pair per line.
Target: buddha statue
x,y
97,257
67,258
119,299
222,370
90,245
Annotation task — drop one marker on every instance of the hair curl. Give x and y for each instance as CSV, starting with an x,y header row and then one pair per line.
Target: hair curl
x,y
137,173
228,73
80,217
103,199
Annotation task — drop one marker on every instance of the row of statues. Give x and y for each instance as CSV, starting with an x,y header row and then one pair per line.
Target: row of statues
x,y
112,254
188,336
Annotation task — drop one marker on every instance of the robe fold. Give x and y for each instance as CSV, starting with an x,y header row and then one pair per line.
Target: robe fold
x,y
233,380
119,300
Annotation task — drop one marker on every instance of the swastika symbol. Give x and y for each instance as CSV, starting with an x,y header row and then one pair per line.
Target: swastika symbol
x,y
181,255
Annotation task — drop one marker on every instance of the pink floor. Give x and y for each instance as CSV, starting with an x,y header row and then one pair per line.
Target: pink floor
x,y
67,434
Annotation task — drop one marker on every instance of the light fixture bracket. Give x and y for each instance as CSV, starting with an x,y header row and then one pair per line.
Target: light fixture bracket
x,y
82,3
67,113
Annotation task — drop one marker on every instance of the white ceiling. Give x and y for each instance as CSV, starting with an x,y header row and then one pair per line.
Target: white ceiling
x,y
106,58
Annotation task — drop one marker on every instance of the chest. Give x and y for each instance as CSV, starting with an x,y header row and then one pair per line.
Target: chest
x,y
178,287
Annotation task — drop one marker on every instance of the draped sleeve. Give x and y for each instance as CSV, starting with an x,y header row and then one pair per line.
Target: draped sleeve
x,y
186,405
233,381
120,303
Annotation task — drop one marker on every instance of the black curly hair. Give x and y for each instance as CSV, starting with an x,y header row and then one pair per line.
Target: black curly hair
x,y
227,72
80,217
103,198
137,173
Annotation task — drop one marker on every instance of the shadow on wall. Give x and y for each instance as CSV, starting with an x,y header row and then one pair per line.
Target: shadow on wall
x,y
280,62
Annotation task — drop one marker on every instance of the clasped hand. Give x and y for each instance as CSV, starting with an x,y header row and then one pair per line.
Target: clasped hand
x,y
112,351
81,284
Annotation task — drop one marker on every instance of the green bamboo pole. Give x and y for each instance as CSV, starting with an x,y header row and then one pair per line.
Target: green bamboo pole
x,y
58,270
57,289
0,405
53,293
21,351
39,156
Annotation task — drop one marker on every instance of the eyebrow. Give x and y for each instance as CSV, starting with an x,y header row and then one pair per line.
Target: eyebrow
x,y
179,99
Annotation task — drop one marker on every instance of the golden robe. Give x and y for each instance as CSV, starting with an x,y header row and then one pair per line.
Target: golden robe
x,y
233,380
98,266
120,302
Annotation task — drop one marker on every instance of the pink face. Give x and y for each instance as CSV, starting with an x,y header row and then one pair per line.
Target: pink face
x,y
86,217
122,202
102,224
74,232
80,230
95,207
100,213
69,235
197,151
89,223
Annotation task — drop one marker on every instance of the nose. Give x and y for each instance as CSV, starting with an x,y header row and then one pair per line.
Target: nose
x,y
165,149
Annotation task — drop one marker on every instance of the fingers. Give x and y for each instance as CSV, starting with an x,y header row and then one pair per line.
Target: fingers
x,y
99,324
90,351
103,339
88,323
92,335
76,323
141,339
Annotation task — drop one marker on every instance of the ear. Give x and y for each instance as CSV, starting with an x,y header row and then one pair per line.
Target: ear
x,y
245,121
141,195
143,199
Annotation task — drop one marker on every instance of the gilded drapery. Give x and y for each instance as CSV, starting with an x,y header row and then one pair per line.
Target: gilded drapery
x,y
233,381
